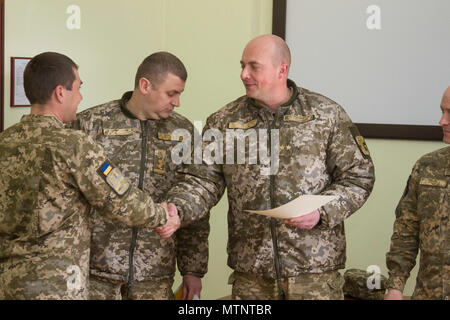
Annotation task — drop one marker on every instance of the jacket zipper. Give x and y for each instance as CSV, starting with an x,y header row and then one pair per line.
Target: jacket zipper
x,y
134,230
273,222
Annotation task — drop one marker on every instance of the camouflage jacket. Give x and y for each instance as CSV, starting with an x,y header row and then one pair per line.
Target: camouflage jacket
x,y
320,153
142,150
422,223
50,177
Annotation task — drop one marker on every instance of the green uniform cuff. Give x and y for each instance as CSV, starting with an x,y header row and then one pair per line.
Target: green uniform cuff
x,y
395,283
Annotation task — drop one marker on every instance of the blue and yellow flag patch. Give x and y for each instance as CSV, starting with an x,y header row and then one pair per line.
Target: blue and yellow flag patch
x,y
115,178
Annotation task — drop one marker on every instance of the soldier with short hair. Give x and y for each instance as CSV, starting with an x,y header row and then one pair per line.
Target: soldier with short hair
x,y
422,224
320,153
50,176
136,132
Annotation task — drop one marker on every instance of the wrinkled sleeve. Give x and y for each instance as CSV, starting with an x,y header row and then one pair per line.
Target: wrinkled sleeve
x,y
401,258
198,188
193,248
133,208
351,170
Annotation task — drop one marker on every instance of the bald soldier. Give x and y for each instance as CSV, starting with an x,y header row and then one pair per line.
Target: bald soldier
x,y
422,223
50,177
315,149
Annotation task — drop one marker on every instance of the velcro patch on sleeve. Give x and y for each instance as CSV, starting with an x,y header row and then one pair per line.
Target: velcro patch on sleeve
x,y
115,179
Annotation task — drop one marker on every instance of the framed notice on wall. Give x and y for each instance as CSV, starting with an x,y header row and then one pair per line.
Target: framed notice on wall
x,y
18,98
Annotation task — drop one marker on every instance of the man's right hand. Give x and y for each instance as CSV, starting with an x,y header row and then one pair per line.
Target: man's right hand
x,y
173,221
393,294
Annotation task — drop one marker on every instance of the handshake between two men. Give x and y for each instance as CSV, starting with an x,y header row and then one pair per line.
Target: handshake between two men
x,y
306,222
173,221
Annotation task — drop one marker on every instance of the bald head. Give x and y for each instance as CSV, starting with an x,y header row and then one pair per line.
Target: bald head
x,y
446,97
265,67
273,45
445,119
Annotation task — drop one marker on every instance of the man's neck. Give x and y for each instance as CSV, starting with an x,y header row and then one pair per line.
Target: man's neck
x,y
133,104
46,110
278,100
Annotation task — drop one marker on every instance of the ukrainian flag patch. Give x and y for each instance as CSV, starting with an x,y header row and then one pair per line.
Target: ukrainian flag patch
x,y
106,168
115,179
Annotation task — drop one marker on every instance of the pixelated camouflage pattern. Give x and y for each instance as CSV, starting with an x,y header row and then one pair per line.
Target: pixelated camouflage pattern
x,y
318,155
308,286
121,134
103,289
422,223
355,285
49,178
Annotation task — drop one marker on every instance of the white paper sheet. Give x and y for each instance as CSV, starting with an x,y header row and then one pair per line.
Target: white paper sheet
x,y
298,207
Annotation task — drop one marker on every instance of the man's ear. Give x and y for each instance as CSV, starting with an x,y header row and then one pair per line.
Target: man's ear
x,y
284,70
58,93
144,85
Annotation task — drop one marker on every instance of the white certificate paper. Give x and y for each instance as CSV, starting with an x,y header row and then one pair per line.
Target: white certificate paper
x,y
298,207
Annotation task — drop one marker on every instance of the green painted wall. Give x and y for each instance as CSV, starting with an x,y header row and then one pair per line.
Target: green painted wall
x,y
209,36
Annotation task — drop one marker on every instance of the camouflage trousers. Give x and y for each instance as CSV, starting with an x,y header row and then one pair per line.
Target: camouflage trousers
x,y
308,286
105,289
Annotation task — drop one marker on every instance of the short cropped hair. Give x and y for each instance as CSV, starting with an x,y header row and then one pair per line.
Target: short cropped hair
x,y
156,67
44,73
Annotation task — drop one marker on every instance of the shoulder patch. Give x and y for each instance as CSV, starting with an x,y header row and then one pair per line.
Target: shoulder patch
x,y
242,125
114,178
360,141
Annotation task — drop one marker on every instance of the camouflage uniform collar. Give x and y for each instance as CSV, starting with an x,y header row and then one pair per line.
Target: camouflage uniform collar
x,y
48,119
123,104
291,85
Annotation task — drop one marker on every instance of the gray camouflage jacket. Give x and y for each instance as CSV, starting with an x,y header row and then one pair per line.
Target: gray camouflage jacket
x,y
422,223
49,178
142,150
320,153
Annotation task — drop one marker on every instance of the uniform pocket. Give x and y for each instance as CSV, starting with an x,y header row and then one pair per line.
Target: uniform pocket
x,y
429,210
335,284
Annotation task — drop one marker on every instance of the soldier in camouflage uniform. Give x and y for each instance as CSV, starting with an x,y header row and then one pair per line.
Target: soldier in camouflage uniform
x,y
422,223
135,131
320,153
50,177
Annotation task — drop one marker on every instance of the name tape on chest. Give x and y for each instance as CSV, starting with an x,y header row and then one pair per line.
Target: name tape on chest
x,y
168,137
433,182
119,132
242,125
299,119
115,179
